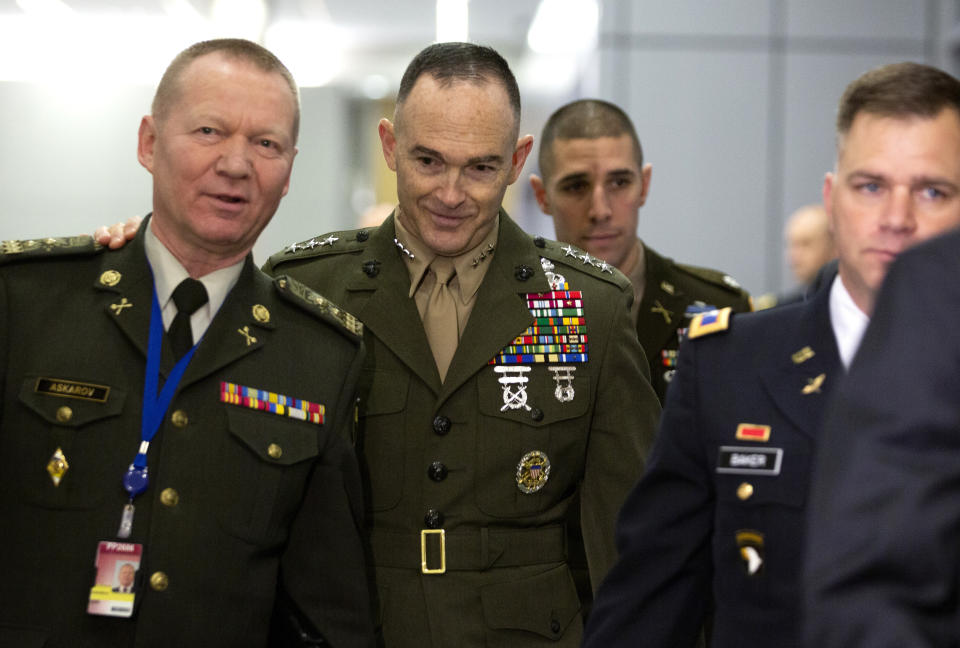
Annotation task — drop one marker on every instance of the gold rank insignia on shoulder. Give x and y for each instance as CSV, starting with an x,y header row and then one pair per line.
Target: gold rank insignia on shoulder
x,y
533,471
709,322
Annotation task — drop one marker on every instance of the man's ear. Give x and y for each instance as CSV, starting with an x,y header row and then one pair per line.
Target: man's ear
x,y
540,193
646,173
520,153
828,181
388,141
146,141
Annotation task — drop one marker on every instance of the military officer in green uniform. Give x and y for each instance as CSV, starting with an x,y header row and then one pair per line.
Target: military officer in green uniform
x,y
171,409
502,378
593,184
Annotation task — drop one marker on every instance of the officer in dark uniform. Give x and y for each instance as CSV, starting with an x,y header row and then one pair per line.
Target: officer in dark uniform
x,y
234,490
494,392
881,560
719,513
593,184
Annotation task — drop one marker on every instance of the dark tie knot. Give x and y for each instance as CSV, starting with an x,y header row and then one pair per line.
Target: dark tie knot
x,y
189,296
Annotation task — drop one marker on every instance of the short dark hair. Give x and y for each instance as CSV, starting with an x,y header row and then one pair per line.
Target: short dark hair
x,y
585,119
898,90
449,62
168,89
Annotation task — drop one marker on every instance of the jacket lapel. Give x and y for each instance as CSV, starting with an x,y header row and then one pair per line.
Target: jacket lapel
x,y
234,331
808,368
662,308
125,288
500,313
381,302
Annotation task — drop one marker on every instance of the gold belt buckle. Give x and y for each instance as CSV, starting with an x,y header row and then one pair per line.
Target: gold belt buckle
x,y
423,551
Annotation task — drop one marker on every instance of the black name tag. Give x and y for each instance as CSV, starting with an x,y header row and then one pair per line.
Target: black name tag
x,y
744,460
72,389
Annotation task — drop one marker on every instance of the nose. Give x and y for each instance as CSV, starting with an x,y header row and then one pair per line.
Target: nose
x,y
234,160
450,192
599,205
898,214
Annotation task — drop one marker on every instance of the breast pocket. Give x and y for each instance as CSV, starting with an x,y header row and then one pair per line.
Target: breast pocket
x,y
71,430
382,416
259,480
530,423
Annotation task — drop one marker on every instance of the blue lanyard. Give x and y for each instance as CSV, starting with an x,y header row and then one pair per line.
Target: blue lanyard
x,y
155,404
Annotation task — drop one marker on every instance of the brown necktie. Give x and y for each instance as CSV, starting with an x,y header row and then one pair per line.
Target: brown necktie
x,y
440,316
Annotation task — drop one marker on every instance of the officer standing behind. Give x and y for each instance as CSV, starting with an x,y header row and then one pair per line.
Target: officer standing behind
x,y
503,374
170,409
720,510
884,526
593,185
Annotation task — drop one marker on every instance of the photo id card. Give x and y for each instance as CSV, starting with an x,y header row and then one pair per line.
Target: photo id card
x,y
117,580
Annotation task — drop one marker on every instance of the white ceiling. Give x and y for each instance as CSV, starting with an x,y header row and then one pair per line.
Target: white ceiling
x,y
381,35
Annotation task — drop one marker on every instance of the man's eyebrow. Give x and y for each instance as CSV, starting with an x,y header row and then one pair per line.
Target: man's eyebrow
x,y
574,177
480,159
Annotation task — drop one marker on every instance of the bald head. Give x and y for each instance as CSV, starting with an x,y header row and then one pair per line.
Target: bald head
x,y
809,242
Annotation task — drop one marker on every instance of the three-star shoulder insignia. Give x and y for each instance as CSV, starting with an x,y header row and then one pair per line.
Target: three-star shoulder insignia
x,y
317,304
709,322
47,247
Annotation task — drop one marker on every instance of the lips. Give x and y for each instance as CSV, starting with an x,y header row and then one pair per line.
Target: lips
x,y
227,200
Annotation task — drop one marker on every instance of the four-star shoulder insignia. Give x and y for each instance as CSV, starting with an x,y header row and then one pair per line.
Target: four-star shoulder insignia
x,y
580,260
317,304
709,322
47,247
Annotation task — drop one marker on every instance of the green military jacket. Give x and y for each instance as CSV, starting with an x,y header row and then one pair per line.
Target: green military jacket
x,y
242,503
673,293
490,463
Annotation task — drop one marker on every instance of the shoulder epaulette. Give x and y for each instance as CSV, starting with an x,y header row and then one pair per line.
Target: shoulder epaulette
x,y
330,243
715,277
318,305
574,257
48,247
709,323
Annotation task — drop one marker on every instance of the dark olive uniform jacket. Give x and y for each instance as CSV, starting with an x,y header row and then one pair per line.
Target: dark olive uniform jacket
x,y
242,503
670,290
726,484
445,456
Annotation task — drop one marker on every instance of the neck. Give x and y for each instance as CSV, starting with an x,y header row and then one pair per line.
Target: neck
x,y
198,262
633,256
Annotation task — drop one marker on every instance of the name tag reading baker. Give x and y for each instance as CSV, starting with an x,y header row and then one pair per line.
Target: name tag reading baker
x,y
745,460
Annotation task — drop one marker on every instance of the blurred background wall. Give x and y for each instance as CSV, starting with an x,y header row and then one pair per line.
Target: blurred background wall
x,y
734,101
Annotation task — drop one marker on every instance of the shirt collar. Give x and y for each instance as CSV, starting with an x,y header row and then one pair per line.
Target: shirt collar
x,y
168,273
471,266
847,320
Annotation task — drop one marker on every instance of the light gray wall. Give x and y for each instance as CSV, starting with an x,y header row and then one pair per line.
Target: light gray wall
x,y
69,163
734,102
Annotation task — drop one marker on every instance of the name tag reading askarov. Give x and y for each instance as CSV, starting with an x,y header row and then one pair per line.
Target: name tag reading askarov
x,y
72,389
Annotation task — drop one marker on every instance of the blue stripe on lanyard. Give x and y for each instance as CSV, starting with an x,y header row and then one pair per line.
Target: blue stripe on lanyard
x,y
155,405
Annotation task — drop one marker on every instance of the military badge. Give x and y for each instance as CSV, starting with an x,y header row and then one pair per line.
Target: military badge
x,y
813,385
266,401
533,472
802,355
514,383
753,432
558,333
563,376
57,467
709,322
668,357
750,544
